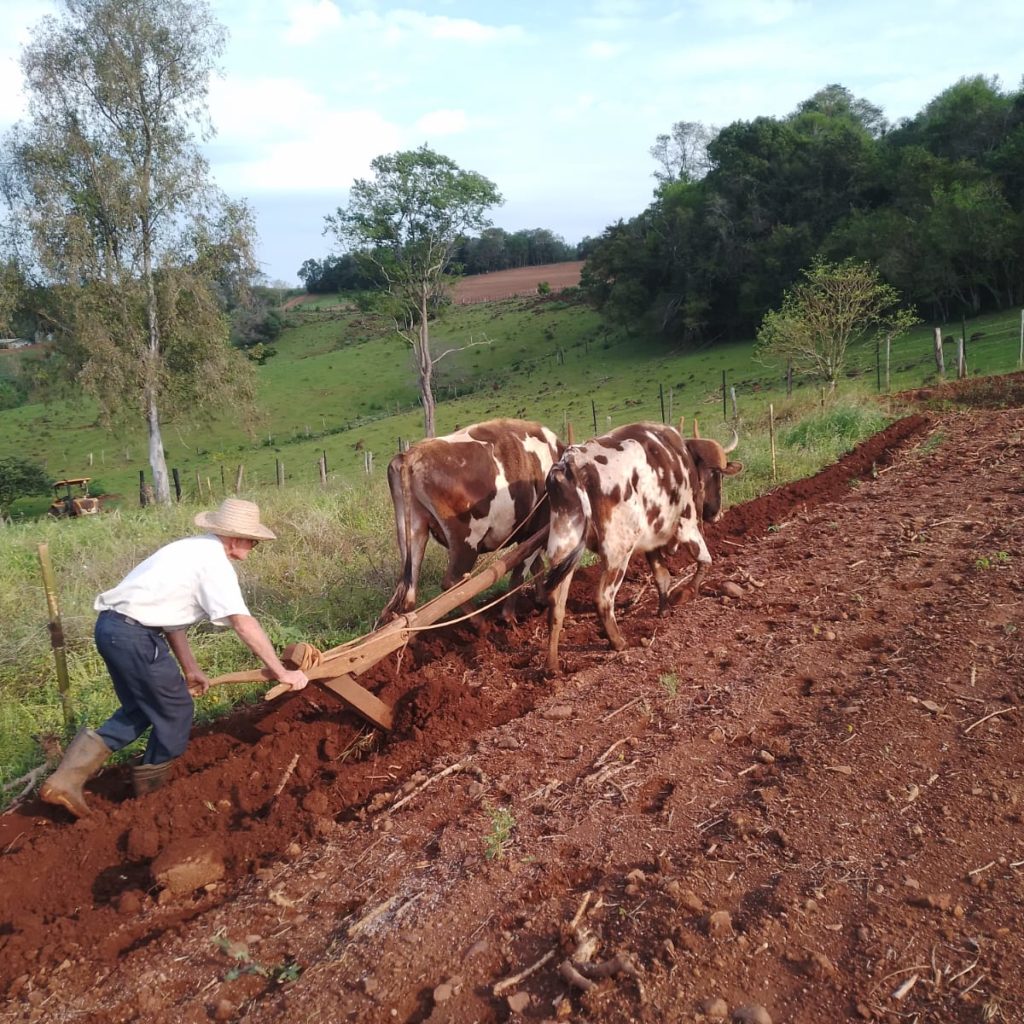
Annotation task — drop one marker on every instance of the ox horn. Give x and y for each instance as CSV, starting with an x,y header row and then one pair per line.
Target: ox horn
x,y
731,447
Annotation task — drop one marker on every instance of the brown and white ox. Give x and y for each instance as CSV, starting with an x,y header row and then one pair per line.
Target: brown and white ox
x,y
471,490
640,487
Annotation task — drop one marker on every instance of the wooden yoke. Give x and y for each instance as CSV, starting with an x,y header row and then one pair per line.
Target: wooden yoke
x,y
337,667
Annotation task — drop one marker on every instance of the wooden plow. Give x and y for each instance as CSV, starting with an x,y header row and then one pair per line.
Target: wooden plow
x,y
337,668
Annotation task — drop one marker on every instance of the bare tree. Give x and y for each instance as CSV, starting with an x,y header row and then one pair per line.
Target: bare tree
x,y
408,221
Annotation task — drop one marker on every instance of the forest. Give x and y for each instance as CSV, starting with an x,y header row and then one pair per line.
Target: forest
x,y
935,202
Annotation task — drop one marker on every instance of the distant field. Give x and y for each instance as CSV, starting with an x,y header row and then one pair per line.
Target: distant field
x,y
503,284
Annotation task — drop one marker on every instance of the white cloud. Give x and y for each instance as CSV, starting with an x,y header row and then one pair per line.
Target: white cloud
x,y
276,135
602,50
443,122
307,21
310,19
755,12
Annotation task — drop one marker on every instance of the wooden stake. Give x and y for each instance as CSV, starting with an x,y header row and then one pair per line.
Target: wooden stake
x,y
57,635
771,435
238,478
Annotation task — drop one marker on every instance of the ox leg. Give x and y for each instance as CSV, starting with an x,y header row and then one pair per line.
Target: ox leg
x,y
698,552
662,579
607,588
533,565
556,617
417,546
461,560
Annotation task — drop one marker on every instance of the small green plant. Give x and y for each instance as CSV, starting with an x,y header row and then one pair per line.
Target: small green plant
x,y
543,288
503,824
933,442
669,683
774,528
990,561
280,974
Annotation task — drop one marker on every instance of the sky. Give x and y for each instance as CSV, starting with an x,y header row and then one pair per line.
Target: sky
x,y
558,102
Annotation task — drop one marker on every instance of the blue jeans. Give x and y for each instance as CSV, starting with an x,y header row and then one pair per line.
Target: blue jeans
x,y
149,685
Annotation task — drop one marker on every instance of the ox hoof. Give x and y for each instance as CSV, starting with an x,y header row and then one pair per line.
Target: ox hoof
x,y
682,594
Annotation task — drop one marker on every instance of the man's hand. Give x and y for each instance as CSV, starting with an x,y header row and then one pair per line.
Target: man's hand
x,y
294,678
198,682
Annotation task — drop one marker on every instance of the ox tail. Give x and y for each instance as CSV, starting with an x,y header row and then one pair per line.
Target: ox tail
x,y
565,506
400,485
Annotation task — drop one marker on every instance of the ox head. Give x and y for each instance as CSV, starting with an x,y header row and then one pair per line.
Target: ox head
x,y
712,462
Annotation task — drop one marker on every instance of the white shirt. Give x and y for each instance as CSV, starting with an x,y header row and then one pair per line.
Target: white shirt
x,y
183,583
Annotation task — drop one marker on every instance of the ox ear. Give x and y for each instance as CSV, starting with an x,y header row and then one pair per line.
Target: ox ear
x,y
732,468
708,452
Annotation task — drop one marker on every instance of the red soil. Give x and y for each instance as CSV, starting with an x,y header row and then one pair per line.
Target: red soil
x,y
503,284
804,798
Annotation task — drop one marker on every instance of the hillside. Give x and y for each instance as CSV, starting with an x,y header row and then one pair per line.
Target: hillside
x,y
800,804
341,384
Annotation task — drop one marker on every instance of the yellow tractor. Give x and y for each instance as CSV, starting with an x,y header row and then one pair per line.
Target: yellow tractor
x,y
71,498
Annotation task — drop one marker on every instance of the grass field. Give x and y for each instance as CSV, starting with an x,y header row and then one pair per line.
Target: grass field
x,y
343,385
339,385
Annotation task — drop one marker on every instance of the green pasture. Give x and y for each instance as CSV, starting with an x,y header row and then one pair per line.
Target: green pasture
x,y
343,385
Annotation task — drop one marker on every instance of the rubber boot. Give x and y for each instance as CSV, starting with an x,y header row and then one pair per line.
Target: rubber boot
x,y
81,761
148,777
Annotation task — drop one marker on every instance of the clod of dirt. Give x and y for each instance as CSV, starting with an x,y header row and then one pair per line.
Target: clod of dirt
x,y
186,865
752,1013
142,844
720,924
519,1002
714,1008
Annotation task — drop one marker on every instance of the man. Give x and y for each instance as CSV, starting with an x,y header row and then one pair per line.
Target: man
x,y
145,618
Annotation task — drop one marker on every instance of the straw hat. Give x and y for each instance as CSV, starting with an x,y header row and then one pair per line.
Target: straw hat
x,y
236,518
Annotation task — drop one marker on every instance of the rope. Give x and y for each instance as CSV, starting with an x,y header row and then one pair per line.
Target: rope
x,y
302,655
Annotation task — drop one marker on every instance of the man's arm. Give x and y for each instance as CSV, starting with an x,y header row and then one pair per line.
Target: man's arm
x,y
197,680
250,632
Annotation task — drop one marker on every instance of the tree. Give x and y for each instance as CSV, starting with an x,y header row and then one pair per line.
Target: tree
x,y
408,221
140,252
20,478
835,305
682,155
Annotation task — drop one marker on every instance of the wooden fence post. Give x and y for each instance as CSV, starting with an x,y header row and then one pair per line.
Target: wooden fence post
x,y
199,486
569,437
725,412
888,356
732,394
238,477
593,410
771,435
223,482
961,360
142,488
280,472
661,399
57,635
177,485
323,471
789,379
